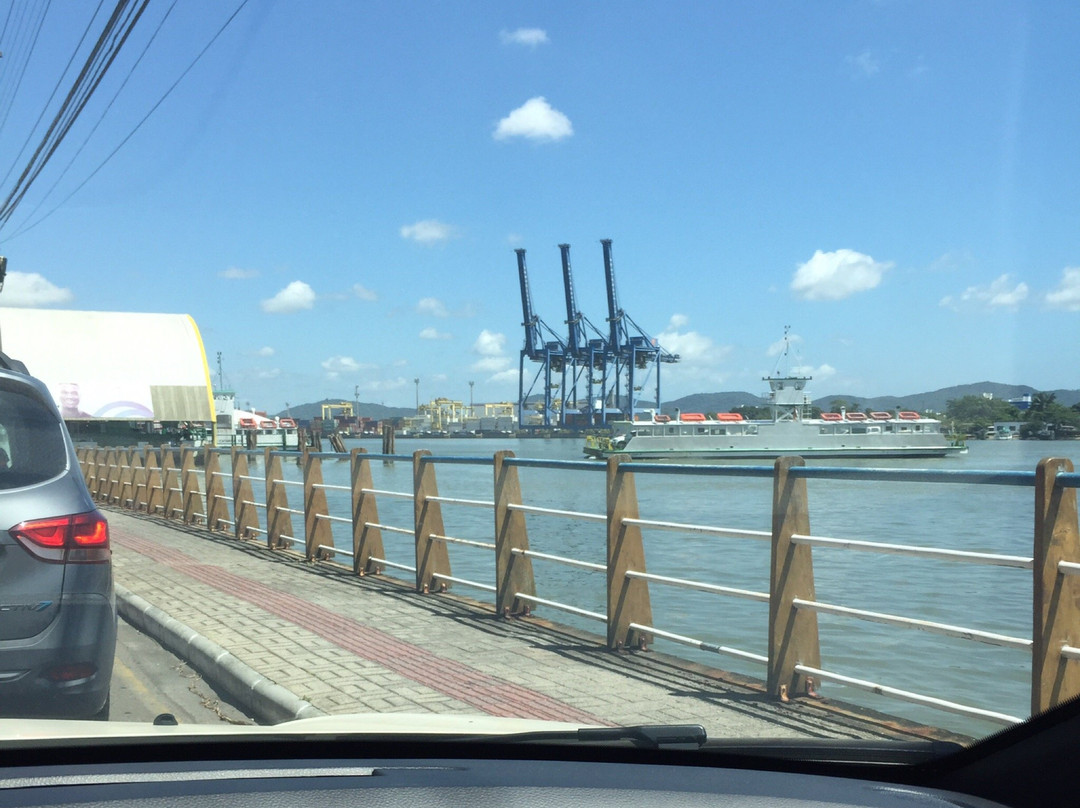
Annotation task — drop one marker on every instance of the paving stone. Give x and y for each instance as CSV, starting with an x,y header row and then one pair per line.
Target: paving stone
x,y
349,643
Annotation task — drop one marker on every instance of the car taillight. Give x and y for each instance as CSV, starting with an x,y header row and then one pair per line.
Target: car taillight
x,y
82,538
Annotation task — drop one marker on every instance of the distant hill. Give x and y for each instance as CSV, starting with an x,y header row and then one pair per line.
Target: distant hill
x,y
936,400
305,412
713,402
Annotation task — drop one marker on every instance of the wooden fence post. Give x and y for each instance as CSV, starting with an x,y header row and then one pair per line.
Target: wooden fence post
x,y
1054,678
627,598
793,634
155,488
141,478
513,572
217,504
189,482
245,514
122,485
278,518
367,541
317,533
170,483
432,558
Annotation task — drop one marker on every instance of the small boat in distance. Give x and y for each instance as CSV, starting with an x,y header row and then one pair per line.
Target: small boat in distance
x,y
792,430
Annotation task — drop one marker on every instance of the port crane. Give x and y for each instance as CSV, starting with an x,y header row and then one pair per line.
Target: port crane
x,y
589,356
632,350
550,353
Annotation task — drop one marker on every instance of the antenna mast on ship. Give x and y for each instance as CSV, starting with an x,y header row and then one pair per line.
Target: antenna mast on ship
x,y
786,397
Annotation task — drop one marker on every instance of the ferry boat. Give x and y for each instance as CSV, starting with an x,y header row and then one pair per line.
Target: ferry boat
x,y
251,430
791,431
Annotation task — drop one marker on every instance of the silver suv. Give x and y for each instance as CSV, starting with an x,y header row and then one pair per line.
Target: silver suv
x,y
57,608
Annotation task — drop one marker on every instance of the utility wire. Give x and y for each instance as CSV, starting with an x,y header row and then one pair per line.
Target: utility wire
x,y
138,126
22,53
101,117
101,58
52,95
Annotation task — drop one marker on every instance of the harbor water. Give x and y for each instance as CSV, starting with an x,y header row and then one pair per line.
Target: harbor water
x,y
983,518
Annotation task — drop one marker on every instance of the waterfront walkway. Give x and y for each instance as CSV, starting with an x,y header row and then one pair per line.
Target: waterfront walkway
x,y
347,644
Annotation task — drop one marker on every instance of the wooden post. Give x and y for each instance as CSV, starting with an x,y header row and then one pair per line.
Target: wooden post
x,y
170,483
122,478
217,504
245,515
513,573
793,634
141,478
317,532
388,440
1054,679
367,541
432,557
627,598
100,489
278,518
189,482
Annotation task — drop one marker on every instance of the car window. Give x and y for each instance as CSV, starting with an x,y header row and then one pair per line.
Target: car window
x,y
31,439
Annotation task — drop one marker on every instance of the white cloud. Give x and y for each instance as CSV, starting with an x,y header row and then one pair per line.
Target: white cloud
x,y
530,37
431,333
29,289
536,119
508,376
866,64
383,385
489,343
238,274
1067,294
294,297
490,364
699,356
1000,293
345,364
432,306
363,292
818,373
266,350
428,231
836,275
272,373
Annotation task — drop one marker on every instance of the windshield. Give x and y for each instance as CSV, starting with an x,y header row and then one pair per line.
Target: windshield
x,y
591,364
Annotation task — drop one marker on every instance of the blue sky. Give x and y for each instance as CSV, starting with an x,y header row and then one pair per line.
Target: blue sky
x,y
335,190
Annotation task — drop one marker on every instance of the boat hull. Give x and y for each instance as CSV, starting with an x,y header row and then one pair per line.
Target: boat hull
x,y
715,440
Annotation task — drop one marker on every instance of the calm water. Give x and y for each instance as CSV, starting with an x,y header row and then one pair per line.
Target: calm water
x,y
966,517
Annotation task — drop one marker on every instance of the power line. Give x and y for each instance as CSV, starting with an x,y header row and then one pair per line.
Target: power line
x,y
52,95
100,118
137,126
23,53
99,61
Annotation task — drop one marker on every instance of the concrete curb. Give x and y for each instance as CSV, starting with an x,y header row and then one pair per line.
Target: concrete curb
x,y
265,701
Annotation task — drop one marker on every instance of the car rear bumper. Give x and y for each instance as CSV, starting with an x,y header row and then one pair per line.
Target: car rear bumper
x,y
65,670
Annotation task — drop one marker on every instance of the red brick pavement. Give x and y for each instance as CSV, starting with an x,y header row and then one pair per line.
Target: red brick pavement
x,y
469,685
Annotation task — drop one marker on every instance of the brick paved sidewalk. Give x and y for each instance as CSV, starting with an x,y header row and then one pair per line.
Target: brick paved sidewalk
x,y
349,644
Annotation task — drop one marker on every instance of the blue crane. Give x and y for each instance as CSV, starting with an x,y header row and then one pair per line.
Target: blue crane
x,y
588,355
551,354
629,346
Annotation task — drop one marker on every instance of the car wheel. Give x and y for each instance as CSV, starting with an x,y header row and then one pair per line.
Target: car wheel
x,y
103,713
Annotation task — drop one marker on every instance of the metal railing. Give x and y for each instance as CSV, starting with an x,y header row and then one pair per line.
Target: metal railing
x,y
792,650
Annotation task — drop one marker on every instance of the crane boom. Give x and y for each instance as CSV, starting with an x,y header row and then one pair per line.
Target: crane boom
x,y
534,345
574,320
